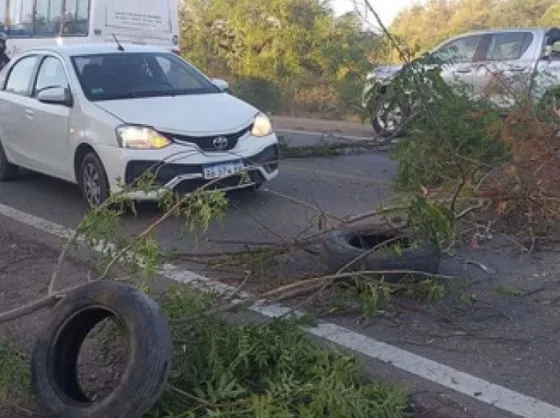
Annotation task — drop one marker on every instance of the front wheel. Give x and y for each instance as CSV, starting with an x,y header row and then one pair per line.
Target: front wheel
x,y
93,180
386,118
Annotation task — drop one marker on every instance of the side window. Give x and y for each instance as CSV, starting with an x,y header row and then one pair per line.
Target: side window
x,y
48,17
553,43
18,18
76,20
51,74
19,78
459,50
508,46
44,18
555,54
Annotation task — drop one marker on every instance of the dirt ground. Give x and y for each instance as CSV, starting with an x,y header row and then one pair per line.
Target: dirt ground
x,y
500,324
499,319
25,270
331,127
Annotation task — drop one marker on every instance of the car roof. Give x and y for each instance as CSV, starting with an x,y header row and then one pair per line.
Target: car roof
x,y
93,49
500,30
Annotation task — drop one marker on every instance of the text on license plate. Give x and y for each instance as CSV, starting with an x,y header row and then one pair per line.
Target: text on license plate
x,y
219,170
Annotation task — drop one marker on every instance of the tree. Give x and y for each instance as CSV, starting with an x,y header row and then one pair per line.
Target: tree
x,y
424,26
294,45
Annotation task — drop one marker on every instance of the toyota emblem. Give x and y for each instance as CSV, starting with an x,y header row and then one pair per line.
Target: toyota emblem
x,y
220,142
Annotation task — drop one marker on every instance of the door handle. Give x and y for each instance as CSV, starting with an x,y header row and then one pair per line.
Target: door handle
x,y
463,71
29,113
516,69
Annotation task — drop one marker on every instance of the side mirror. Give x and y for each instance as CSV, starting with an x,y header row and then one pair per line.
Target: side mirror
x,y
55,95
221,84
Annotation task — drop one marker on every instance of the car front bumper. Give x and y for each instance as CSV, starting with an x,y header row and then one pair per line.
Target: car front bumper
x,y
180,169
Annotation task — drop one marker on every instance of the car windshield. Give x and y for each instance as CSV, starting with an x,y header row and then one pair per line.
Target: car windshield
x,y
134,75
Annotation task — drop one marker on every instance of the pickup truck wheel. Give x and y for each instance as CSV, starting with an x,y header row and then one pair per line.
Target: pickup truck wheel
x,y
387,123
7,169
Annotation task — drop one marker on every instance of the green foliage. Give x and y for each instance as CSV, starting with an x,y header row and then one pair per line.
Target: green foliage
x,y
201,207
509,292
431,220
425,25
269,370
372,296
102,227
263,94
431,290
14,374
452,133
452,142
278,52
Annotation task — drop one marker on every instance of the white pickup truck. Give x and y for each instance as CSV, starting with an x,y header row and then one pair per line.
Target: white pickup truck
x,y
531,57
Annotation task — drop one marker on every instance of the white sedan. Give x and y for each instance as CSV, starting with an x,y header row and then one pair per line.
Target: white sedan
x,y
100,116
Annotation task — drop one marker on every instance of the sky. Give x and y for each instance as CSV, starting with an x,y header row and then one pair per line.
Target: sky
x,y
387,9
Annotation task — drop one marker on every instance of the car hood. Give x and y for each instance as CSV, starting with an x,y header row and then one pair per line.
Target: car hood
x,y
384,72
189,114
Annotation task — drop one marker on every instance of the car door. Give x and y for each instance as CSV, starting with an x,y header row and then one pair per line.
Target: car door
x,y
14,100
504,73
456,58
48,124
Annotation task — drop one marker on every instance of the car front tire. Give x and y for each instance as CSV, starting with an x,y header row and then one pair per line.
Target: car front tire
x,y
93,180
393,125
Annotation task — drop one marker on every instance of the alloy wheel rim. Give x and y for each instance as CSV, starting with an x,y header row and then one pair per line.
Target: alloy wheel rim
x,y
389,120
91,180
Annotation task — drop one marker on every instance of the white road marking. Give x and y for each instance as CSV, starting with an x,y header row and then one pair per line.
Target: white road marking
x,y
479,389
324,134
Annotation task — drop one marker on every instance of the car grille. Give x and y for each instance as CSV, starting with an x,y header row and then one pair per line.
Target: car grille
x,y
206,143
189,186
163,173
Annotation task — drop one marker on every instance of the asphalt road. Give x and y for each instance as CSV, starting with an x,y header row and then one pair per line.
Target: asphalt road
x,y
344,186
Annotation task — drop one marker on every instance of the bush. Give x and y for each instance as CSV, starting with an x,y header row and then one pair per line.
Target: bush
x,y
269,370
263,94
319,99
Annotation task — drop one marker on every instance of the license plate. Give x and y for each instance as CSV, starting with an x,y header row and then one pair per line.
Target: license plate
x,y
220,170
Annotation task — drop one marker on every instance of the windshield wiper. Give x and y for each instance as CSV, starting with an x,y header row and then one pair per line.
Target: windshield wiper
x,y
125,95
136,94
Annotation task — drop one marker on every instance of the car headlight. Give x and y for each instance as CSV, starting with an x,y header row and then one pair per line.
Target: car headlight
x,y
261,125
141,137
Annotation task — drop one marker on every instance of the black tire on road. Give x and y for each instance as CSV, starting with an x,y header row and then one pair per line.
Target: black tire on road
x,y
90,166
342,246
7,169
54,377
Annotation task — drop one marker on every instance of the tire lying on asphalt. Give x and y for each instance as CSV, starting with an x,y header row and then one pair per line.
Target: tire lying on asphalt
x,y
341,247
54,377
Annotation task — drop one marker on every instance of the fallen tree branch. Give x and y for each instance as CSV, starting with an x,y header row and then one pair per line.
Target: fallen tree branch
x,y
304,287
47,302
329,283
374,213
305,204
